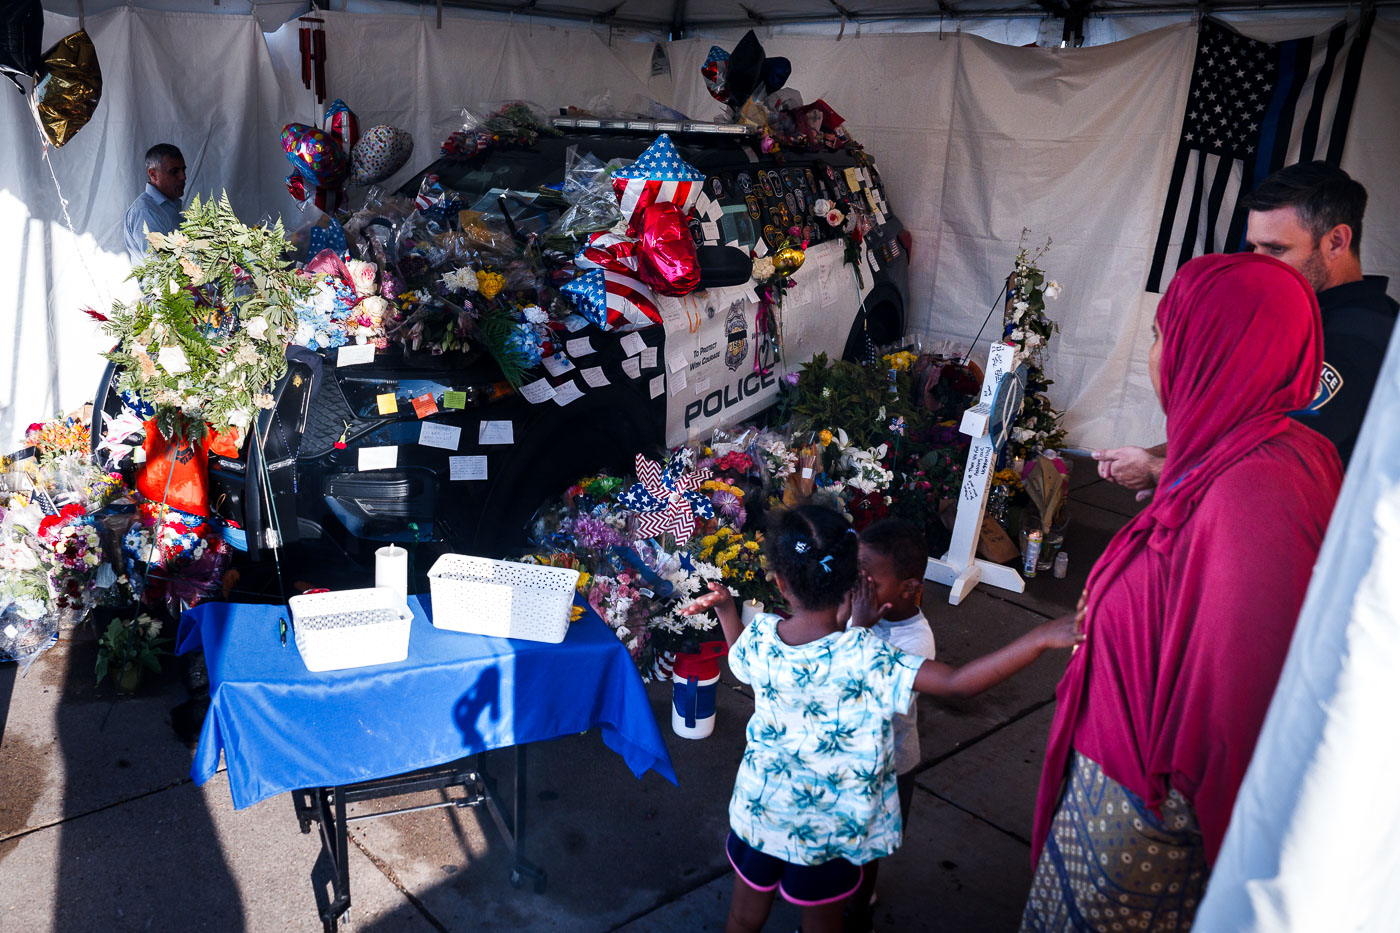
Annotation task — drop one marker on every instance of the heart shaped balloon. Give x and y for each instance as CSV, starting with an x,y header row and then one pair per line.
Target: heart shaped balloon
x,y
315,154
381,152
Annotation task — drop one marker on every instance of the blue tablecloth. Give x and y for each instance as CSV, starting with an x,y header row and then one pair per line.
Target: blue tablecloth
x,y
281,727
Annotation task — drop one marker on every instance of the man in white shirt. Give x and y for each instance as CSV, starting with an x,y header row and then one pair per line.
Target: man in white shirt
x,y
158,207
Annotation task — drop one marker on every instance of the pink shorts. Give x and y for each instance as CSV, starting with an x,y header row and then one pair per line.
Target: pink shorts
x,y
804,885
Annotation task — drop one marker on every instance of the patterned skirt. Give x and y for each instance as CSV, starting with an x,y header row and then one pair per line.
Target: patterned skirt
x,y
1111,865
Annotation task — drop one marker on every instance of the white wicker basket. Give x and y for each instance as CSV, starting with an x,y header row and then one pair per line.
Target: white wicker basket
x,y
350,628
502,598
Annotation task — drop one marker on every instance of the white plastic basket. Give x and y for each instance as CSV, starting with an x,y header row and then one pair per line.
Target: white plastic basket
x,y
350,628
501,598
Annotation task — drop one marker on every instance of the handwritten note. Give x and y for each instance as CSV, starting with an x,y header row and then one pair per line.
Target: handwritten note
x,y
594,376
579,346
557,364
538,391
451,399
466,467
352,354
566,393
446,436
632,366
658,385
496,432
649,358
677,382
423,406
632,344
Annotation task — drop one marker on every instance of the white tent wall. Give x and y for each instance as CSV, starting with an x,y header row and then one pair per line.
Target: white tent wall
x,y
438,71
202,82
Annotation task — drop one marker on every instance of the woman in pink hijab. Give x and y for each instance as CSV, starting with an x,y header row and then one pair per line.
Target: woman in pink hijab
x,y
1190,611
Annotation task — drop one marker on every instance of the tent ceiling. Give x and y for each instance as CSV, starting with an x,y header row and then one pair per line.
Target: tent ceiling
x,y
683,16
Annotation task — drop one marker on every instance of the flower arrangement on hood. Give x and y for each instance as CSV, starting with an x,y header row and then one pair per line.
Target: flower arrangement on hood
x,y
208,337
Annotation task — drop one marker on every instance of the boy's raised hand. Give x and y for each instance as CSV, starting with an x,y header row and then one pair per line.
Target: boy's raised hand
x,y
865,612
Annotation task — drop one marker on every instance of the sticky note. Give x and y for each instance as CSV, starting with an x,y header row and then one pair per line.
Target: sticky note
x,y
632,344
595,377
658,385
566,393
353,354
702,385
649,358
632,366
379,458
677,382
557,364
423,406
538,391
579,346
446,436
388,405
466,467
451,399
496,432
675,362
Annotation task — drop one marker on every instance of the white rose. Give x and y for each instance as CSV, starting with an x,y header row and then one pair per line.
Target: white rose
x,y
240,417
364,277
374,306
91,559
1052,290
256,328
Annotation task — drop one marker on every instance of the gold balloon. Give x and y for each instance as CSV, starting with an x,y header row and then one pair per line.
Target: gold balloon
x,y
68,87
788,260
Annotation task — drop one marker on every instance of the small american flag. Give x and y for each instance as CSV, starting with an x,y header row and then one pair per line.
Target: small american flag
x,y
1253,108
611,300
659,175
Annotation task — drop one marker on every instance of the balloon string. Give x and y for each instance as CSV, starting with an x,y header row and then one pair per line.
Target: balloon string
x,y
68,220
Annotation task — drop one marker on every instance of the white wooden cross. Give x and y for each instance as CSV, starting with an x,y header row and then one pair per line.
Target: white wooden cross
x,y
960,568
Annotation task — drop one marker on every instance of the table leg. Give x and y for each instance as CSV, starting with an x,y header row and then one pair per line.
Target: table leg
x,y
327,807
515,834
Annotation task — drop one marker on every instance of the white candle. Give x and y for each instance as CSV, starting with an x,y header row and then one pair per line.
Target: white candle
x,y
391,569
751,608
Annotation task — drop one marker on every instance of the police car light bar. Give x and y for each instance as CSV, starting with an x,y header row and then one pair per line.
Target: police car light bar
x,y
652,126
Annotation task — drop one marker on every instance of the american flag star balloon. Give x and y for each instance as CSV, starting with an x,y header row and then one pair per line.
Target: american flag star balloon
x,y
612,300
666,500
659,176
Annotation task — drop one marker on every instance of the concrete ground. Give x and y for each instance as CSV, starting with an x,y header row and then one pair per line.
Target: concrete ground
x,y
101,827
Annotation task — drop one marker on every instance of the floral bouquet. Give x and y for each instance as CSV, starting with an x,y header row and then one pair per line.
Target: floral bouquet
x,y
174,558
128,648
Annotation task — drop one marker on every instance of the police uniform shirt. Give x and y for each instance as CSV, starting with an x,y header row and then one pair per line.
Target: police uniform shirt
x,y
1357,319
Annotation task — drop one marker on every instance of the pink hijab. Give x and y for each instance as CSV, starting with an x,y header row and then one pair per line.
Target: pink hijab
x,y
1192,606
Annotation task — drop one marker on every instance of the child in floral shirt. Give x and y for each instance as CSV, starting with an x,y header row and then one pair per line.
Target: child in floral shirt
x,y
815,797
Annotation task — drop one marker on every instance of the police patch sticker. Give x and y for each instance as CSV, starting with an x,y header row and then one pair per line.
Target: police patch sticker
x,y
736,335
1329,384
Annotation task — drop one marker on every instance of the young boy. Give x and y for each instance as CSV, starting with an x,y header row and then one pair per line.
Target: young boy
x,y
893,556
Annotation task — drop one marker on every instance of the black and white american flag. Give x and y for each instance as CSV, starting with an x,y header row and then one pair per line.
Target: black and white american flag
x,y
1253,108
